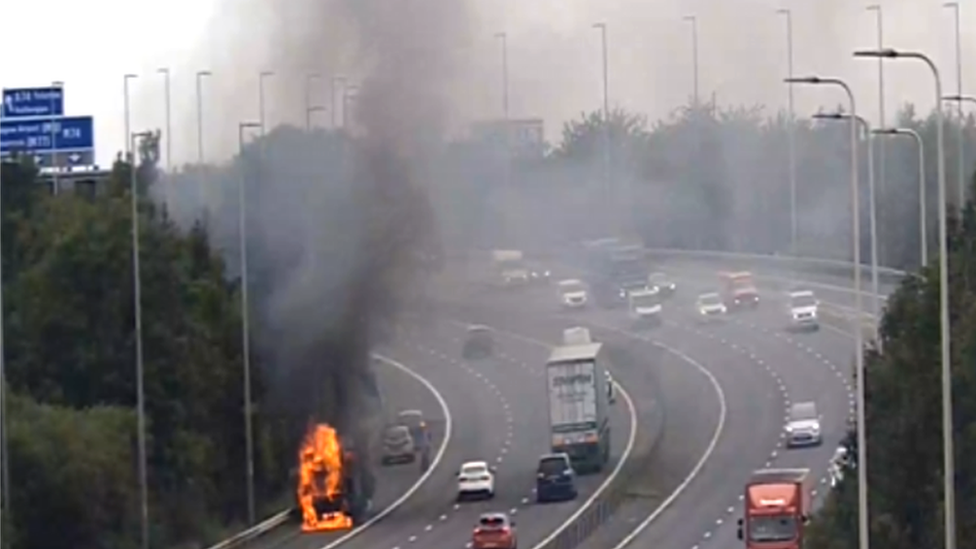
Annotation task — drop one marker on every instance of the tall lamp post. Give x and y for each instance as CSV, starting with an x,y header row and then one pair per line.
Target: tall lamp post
x,y
204,194
309,107
607,176
862,464
167,92
872,212
503,38
923,223
245,316
954,6
882,151
54,160
127,109
949,467
792,129
140,371
959,98
693,21
338,81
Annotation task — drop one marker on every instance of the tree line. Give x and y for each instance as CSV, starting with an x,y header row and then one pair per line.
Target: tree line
x,y
68,315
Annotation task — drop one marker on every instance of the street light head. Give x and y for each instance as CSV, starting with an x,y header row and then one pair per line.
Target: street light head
x,y
131,76
204,73
829,116
163,70
803,80
886,131
265,74
783,11
691,18
951,5
500,35
873,7
886,53
601,26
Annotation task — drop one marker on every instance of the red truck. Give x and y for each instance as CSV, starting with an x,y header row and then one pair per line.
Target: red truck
x,y
777,508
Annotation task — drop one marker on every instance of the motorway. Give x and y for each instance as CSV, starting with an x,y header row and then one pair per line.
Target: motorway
x,y
721,392
761,369
498,411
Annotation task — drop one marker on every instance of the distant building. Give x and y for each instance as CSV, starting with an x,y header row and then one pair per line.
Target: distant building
x,y
526,136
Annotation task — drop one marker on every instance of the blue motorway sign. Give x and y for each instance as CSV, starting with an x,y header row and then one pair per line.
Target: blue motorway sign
x,y
33,102
68,134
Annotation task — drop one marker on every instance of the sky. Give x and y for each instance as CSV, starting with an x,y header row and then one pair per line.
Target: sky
x,y
554,58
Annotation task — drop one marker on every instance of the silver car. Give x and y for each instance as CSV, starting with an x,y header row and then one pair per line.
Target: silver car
x,y
398,445
803,428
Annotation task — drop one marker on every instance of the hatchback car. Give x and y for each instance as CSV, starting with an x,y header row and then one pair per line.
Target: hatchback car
x,y
803,428
494,531
398,445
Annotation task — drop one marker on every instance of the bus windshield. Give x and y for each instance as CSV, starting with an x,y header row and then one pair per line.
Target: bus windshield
x,y
773,528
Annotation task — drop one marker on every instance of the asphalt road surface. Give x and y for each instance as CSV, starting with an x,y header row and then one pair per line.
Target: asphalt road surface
x,y
761,369
400,391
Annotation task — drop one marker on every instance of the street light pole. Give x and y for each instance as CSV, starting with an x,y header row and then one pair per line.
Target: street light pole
x,y
262,76
309,108
127,110
873,213
140,370
923,223
348,95
203,194
337,81
792,129
503,38
948,447
607,176
245,317
693,20
862,464
961,193
55,164
882,151
959,98
169,129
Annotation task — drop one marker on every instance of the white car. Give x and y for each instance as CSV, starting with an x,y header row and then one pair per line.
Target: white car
x,y
645,306
803,310
803,428
476,480
710,306
572,293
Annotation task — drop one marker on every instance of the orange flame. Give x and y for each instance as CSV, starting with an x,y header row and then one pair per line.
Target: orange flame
x,y
320,483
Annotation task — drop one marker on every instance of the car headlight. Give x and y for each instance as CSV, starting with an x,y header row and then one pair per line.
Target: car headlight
x,y
722,309
789,428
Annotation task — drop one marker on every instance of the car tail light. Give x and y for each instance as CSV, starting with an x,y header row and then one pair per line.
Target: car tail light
x,y
485,478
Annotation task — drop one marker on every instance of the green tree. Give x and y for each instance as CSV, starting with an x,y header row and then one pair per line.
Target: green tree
x,y
904,396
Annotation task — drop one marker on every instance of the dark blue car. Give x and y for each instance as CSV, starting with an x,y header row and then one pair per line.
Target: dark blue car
x,y
555,479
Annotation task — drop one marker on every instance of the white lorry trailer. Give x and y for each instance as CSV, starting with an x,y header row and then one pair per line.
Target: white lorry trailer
x,y
510,267
579,422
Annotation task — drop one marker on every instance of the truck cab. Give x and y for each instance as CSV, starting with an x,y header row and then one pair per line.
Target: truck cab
x,y
739,290
510,267
777,507
579,421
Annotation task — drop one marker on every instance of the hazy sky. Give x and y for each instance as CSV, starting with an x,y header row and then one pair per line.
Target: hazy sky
x,y
554,57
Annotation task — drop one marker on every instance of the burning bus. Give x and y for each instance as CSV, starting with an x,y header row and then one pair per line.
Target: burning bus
x,y
335,485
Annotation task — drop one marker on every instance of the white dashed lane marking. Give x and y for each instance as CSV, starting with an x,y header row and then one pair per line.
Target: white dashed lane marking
x,y
509,421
